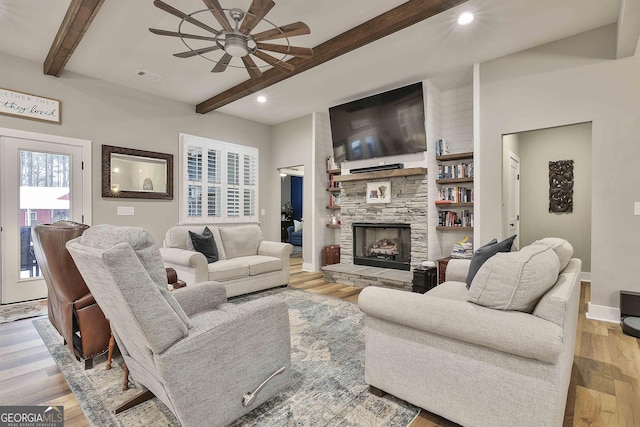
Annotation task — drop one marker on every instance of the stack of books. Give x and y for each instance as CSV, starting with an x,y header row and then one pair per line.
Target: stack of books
x,y
462,250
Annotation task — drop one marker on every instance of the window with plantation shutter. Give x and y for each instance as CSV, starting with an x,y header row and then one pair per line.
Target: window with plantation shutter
x,y
219,181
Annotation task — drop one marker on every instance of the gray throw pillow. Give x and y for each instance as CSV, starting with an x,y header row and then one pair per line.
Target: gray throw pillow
x,y
485,252
205,244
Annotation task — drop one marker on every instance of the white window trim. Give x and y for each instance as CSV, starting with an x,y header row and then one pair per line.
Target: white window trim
x,y
224,148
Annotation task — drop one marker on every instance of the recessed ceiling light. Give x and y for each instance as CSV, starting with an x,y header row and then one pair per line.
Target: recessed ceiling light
x,y
262,99
465,18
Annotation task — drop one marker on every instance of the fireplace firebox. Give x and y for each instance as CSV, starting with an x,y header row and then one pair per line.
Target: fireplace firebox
x,y
382,245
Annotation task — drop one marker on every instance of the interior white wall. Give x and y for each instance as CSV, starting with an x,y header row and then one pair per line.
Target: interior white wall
x,y
572,81
433,116
510,143
322,149
537,149
457,132
292,146
114,115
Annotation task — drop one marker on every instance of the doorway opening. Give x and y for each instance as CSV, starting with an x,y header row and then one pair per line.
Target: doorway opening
x,y
291,196
44,179
526,188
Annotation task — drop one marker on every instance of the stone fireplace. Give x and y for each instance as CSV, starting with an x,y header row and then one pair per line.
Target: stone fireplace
x,y
382,245
408,206
407,211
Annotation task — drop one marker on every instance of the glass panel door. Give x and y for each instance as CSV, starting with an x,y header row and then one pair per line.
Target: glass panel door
x,y
41,184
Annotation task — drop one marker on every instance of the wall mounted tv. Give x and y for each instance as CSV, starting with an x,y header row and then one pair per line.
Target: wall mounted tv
x,y
386,124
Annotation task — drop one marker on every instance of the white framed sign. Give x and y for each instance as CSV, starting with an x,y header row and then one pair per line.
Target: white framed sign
x,y
379,192
28,106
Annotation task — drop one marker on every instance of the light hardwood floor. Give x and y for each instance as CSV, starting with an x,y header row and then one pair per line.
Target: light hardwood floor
x,y
604,390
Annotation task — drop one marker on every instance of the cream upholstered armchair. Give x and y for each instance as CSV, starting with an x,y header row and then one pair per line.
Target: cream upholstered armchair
x,y
208,360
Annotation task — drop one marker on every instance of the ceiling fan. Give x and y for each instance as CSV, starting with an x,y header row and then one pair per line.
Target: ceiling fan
x,y
237,41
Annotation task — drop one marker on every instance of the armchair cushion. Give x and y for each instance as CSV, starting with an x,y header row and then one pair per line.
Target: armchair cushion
x,y
515,280
144,249
561,247
485,252
159,321
205,244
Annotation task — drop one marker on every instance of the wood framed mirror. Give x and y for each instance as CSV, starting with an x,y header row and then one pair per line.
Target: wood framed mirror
x,y
137,174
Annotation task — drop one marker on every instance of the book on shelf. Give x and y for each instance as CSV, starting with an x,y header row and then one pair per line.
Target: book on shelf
x,y
334,199
462,249
456,194
441,147
460,170
332,183
462,218
331,164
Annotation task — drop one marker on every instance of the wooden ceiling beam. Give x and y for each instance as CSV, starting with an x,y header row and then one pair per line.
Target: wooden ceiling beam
x,y
75,23
403,16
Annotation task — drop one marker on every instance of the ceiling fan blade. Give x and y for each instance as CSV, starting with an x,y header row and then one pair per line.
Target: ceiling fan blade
x,y
218,13
290,30
175,12
300,52
222,64
181,35
190,53
251,67
257,11
273,61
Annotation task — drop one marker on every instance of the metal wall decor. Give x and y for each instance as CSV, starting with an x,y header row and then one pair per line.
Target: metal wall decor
x,y
561,186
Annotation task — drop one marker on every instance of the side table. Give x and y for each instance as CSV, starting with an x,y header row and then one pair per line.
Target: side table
x,y
442,269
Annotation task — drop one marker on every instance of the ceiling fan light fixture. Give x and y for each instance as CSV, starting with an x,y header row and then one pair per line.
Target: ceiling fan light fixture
x,y
236,45
236,39
465,18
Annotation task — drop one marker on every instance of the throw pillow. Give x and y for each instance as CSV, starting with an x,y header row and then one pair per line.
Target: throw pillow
x,y
485,252
561,247
515,280
297,225
205,244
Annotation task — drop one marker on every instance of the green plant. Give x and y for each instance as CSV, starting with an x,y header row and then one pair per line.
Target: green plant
x,y
287,210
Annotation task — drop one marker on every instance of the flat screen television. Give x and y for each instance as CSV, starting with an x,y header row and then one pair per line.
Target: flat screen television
x,y
386,124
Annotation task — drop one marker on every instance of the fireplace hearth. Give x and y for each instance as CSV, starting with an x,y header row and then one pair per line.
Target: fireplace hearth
x,y
382,245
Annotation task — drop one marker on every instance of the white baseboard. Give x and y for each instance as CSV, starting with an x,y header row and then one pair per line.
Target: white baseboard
x,y
307,266
585,276
603,313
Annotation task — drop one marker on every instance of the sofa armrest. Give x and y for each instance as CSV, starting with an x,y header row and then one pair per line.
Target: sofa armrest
x,y
275,249
185,258
200,297
511,332
457,270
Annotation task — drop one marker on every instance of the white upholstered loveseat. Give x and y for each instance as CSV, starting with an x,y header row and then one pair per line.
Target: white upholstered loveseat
x,y
247,263
474,365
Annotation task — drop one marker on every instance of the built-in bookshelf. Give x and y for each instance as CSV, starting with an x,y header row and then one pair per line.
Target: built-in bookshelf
x,y
455,188
333,189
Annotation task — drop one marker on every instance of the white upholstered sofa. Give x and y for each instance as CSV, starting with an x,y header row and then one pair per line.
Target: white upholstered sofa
x,y
474,365
247,263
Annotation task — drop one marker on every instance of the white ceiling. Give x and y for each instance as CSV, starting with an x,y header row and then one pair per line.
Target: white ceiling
x,y
118,45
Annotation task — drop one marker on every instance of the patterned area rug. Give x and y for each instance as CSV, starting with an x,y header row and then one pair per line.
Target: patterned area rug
x,y
23,310
327,385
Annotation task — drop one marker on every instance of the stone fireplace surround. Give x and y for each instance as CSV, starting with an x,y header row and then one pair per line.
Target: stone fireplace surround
x,y
409,198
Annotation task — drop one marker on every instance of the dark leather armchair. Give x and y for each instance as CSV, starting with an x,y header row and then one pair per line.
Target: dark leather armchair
x,y
72,309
